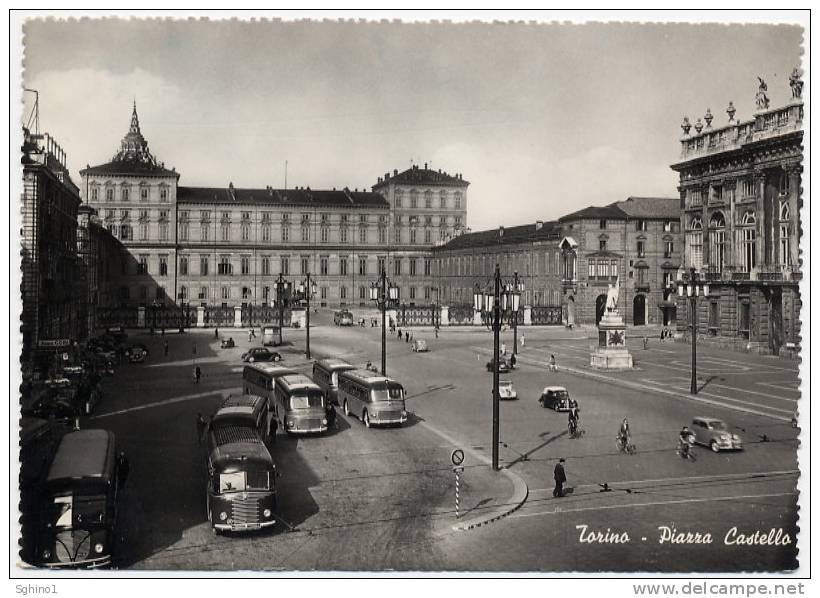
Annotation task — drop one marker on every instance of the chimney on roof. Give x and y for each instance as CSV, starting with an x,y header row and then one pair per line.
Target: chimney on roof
x,y
500,231
386,175
425,166
380,179
539,224
395,171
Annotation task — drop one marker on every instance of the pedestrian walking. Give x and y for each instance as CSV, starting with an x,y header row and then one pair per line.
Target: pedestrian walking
x,y
512,361
250,336
197,374
436,331
552,366
399,333
522,340
645,343
165,346
503,348
406,336
560,479
216,332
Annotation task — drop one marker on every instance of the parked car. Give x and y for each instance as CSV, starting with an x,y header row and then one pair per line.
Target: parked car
x,y
714,433
555,397
137,353
503,365
419,345
261,354
506,390
343,318
227,343
117,333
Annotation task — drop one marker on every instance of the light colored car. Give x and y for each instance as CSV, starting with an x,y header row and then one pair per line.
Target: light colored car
x,y
419,345
506,390
714,433
343,318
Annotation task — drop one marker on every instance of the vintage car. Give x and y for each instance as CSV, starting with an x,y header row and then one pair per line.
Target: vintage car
x,y
343,318
227,343
714,433
63,399
260,354
506,390
137,353
503,365
555,397
419,345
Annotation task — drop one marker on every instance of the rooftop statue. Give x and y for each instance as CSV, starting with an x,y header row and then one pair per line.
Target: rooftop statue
x,y
762,98
796,84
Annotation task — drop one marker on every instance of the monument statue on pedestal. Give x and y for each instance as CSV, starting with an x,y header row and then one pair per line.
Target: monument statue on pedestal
x,y
611,352
612,296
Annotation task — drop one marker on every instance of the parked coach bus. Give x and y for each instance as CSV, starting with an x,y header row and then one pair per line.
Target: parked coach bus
x,y
326,375
260,378
241,493
300,405
79,501
373,398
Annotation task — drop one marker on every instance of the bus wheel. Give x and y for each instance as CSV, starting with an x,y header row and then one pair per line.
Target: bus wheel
x,y
366,419
346,410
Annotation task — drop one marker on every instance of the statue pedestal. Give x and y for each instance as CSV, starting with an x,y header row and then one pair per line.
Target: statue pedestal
x,y
611,352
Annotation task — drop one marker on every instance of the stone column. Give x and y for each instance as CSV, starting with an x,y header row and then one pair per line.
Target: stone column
x,y
140,317
444,315
200,317
237,316
527,315
760,224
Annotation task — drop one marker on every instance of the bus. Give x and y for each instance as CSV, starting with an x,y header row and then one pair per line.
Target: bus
x,y
80,496
260,378
373,398
300,405
326,375
241,487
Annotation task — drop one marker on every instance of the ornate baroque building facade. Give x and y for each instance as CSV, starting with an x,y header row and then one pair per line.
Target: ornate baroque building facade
x,y
228,246
740,202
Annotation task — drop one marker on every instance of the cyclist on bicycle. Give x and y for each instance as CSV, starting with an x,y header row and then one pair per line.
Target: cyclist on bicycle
x,y
684,441
624,433
574,417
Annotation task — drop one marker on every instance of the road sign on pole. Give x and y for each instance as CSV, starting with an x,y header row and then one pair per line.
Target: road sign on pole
x,y
457,457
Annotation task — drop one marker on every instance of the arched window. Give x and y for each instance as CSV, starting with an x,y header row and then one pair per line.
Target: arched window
x,y
694,243
747,237
399,196
443,198
717,242
749,219
414,198
717,221
784,210
428,199
785,234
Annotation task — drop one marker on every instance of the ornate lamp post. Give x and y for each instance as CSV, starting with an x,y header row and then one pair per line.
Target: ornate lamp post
x,y
181,311
307,289
692,289
496,304
518,286
383,292
283,288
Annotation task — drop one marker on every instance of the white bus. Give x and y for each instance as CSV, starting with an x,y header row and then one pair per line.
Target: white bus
x,y
260,379
300,405
326,375
373,398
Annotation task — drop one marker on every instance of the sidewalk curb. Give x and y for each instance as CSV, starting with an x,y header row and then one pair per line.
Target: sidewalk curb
x,y
520,493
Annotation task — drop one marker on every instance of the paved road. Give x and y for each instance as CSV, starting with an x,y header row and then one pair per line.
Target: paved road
x,y
377,499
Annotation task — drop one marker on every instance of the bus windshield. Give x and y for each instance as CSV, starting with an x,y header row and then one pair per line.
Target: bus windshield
x,y
306,401
70,512
240,481
384,392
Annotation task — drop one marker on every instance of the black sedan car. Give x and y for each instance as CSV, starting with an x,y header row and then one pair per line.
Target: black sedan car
x,y
503,365
227,343
261,354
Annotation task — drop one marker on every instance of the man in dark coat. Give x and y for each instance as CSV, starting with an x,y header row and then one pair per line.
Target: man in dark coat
x,y
560,479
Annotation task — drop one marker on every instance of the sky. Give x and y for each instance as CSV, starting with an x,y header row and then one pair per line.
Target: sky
x,y
541,119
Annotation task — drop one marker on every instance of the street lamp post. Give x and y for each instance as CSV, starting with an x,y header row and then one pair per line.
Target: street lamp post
x,y
518,285
181,311
307,289
692,289
383,292
282,290
494,306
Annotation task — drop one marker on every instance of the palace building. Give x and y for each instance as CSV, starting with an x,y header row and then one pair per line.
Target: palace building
x,y
228,246
740,201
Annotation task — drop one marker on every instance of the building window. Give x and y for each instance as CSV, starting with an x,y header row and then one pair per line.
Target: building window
x,y
602,245
412,266
304,265
603,268
266,233
325,233
163,231
143,231
748,187
246,232
124,194
748,242
457,200
381,264
245,264
109,194
94,193
226,232
397,267
203,265
412,236
163,265
163,194
265,265
183,291
785,183
668,278
744,317
427,293
285,233
183,266
343,265
412,292
183,231
343,293
362,292
428,199
591,269
246,293
668,249
142,265
427,262
323,266
442,199
414,199
640,225
694,243
641,248
143,193
399,194
323,293
641,276
284,265
125,232
382,235
204,231
224,268
717,242
265,294
305,234
203,293
363,265
362,235
343,234
226,292
785,234
602,224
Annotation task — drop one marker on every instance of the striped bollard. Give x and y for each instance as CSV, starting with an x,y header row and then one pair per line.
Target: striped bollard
x,y
458,471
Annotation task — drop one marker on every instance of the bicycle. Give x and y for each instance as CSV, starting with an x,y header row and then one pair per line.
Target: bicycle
x,y
685,451
624,446
574,430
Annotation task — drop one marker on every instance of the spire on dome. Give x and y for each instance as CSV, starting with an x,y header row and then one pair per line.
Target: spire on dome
x,y
134,147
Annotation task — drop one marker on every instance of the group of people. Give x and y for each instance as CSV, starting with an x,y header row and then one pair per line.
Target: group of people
x,y
407,336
